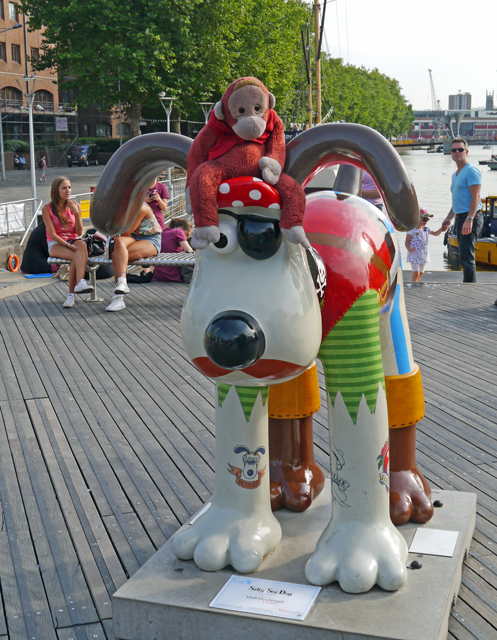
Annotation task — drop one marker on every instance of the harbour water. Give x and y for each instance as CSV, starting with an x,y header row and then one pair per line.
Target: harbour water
x,y
431,175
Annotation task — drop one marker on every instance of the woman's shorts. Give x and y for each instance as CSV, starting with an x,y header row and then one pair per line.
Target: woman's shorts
x,y
156,239
51,243
418,267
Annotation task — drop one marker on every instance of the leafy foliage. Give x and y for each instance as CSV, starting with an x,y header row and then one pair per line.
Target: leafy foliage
x,y
366,97
193,49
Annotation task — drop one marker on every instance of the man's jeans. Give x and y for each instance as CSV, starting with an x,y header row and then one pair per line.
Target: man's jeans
x,y
467,244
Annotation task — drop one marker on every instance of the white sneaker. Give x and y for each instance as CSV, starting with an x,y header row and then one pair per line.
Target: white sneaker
x,y
121,287
117,304
83,287
70,300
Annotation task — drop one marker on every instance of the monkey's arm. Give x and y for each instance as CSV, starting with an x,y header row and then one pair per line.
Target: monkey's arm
x,y
273,162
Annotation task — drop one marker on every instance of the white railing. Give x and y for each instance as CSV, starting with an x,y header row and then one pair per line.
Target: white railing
x,y
15,216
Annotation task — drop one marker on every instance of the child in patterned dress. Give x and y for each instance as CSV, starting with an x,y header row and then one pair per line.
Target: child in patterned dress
x,y
417,245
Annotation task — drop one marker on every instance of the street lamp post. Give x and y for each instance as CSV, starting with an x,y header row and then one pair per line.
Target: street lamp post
x,y
2,156
206,108
167,105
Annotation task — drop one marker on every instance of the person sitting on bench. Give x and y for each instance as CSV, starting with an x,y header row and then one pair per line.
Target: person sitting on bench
x,y
143,240
62,219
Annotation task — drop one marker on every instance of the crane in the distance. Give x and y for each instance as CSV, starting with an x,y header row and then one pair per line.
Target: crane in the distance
x,y
435,105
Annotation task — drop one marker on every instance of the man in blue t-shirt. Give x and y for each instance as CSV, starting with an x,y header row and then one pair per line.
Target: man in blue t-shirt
x,y
466,207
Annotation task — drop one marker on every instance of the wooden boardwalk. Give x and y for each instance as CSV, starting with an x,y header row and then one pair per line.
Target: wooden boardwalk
x,y
107,446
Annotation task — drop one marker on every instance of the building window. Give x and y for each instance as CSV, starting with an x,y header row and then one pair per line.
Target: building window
x,y
2,17
16,53
43,101
35,55
86,130
12,97
13,14
3,51
123,129
104,130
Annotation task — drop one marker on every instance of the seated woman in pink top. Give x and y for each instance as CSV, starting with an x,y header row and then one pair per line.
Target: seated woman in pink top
x,y
62,219
174,240
157,197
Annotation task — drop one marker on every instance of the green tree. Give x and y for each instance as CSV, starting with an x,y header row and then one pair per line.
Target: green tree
x,y
365,96
191,48
109,51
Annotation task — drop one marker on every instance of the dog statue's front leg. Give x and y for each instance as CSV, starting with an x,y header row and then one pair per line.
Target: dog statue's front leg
x,y
238,528
360,547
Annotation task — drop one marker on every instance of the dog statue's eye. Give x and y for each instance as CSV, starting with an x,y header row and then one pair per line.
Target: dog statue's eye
x,y
259,238
228,242
241,110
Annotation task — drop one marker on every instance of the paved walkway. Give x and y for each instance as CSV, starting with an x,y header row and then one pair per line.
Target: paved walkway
x,y
17,185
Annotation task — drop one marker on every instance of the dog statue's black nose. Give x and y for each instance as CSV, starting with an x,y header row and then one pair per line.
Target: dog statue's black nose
x,y
234,340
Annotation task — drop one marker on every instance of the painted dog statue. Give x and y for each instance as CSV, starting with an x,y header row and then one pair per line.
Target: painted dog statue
x,y
252,319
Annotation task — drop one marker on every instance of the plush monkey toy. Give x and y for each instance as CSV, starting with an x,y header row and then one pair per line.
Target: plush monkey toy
x,y
244,137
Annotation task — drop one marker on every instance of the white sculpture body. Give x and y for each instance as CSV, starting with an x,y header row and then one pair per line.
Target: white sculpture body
x,y
360,547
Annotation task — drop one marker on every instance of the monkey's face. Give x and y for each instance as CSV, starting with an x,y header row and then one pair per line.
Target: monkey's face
x,y
247,106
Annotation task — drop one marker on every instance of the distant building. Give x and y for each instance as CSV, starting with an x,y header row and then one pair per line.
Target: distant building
x,y
460,102
476,124
489,102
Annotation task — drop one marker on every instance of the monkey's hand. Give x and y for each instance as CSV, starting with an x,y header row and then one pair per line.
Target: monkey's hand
x,y
296,235
271,169
202,236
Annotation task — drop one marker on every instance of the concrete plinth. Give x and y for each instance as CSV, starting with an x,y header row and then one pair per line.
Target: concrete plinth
x,y
168,599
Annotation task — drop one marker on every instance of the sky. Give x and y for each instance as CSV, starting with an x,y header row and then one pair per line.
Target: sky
x,y
405,39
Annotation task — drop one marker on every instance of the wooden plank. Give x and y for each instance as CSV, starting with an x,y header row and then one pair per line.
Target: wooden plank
x,y
83,632
99,562
102,397
125,381
470,618
58,563
26,377
26,608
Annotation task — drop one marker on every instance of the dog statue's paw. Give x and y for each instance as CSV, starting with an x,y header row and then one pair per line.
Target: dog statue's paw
x,y
202,236
296,235
223,536
410,497
358,556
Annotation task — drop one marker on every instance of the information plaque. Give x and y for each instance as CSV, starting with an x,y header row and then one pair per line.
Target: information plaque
x,y
266,597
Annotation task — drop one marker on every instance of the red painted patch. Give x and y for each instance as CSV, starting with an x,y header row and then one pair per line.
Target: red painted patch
x,y
265,368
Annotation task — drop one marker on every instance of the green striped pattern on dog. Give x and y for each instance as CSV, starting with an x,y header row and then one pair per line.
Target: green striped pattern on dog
x,y
351,355
247,395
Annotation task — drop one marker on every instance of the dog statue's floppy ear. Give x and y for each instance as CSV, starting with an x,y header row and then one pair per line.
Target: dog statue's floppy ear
x,y
218,111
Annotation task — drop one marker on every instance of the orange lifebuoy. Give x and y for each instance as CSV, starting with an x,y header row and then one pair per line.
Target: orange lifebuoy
x,y
13,263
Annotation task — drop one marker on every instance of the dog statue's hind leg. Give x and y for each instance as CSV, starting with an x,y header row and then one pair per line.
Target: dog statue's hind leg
x,y
410,493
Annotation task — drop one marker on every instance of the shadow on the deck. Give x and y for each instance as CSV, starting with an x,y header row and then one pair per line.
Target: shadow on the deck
x,y
107,440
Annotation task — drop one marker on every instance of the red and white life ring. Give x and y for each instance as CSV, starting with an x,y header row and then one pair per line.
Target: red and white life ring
x,y
13,263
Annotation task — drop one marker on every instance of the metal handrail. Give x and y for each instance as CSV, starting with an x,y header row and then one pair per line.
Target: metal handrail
x,y
24,200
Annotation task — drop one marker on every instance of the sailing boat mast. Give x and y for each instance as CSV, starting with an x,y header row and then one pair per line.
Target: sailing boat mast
x,y
317,47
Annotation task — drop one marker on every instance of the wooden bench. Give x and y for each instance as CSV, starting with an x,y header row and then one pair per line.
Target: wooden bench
x,y
160,260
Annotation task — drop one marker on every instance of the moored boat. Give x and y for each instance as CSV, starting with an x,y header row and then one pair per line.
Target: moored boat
x,y
493,158
486,246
